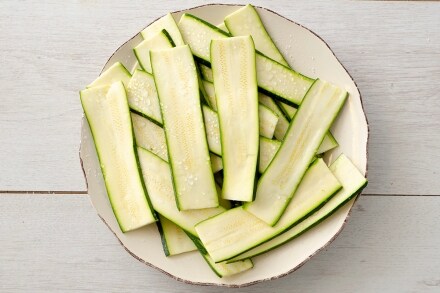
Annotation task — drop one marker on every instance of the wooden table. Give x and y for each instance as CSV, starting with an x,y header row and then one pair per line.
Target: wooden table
x,y
50,236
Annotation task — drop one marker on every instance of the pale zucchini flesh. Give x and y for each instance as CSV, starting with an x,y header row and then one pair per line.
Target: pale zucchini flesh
x,y
273,78
107,112
268,121
212,130
158,181
159,41
328,143
216,163
174,240
116,72
168,23
268,149
306,132
235,231
142,96
352,183
224,269
149,136
283,123
234,72
176,82
223,27
206,72
246,21
210,94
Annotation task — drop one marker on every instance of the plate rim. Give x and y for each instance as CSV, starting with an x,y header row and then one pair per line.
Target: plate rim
x,y
308,257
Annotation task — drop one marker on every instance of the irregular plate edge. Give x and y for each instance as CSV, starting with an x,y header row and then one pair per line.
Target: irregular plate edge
x,y
310,256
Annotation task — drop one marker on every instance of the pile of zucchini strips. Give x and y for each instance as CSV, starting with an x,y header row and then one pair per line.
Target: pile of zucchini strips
x,y
217,140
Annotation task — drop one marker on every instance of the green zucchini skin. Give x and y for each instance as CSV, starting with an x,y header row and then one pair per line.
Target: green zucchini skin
x,y
178,90
236,231
116,72
295,85
318,111
158,181
106,110
346,172
237,23
174,240
234,72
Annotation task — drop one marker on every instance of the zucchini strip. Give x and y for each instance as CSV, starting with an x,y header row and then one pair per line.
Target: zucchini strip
x,y
176,81
268,121
116,72
268,149
288,86
167,23
212,130
159,183
149,136
216,163
174,240
234,72
161,40
224,269
238,24
306,132
352,184
283,123
246,22
235,231
327,144
108,115
142,96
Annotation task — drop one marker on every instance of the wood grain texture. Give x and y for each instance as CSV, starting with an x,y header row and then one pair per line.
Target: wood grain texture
x,y
51,49
389,245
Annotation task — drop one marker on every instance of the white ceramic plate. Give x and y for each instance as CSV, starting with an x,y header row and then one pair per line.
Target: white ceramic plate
x,y
308,54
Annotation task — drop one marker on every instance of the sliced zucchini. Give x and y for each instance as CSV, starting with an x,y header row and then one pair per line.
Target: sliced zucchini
x,y
289,111
268,149
234,72
224,269
176,81
206,72
283,123
167,23
268,121
352,184
223,27
161,40
246,22
288,86
210,94
216,163
142,96
107,112
158,180
116,72
149,136
174,240
306,132
235,231
328,143
212,130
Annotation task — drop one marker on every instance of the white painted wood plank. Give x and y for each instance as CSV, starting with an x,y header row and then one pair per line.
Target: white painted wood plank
x,y
52,243
50,50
